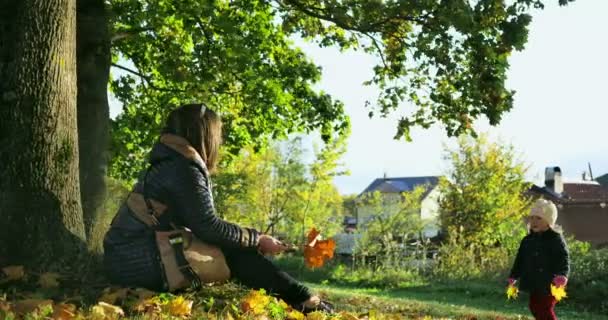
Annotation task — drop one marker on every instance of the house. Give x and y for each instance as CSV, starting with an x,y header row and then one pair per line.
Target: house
x,y
603,180
392,189
582,206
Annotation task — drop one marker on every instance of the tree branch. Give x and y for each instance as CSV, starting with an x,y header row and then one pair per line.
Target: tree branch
x,y
146,79
123,34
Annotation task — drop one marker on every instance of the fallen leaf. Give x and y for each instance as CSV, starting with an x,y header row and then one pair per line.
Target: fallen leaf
x,y
111,295
348,316
180,307
315,316
295,315
105,311
317,251
30,305
64,311
49,280
14,273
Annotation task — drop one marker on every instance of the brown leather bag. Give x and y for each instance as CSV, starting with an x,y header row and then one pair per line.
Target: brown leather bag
x,y
186,260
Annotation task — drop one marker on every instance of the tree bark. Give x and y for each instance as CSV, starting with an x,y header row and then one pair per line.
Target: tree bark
x,y
93,68
40,207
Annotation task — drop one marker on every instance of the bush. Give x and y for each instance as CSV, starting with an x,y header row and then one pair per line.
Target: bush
x,y
588,285
460,261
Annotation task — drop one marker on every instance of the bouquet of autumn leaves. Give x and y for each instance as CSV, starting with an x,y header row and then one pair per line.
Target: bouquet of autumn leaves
x,y
316,250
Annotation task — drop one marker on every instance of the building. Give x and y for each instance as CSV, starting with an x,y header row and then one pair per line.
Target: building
x,y
582,206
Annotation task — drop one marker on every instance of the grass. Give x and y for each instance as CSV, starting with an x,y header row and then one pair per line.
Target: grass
x,y
454,300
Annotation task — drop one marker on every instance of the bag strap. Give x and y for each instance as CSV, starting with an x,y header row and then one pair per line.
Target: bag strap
x,y
177,242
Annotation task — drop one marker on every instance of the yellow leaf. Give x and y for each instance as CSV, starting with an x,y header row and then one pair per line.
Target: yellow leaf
x,y
111,295
295,315
148,306
30,305
315,316
49,280
105,311
558,292
255,302
64,312
512,292
180,307
14,272
348,316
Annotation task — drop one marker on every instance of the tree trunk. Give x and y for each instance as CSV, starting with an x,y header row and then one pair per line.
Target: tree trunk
x,y
93,61
40,208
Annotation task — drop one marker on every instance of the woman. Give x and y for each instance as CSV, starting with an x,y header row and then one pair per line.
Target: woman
x,y
175,193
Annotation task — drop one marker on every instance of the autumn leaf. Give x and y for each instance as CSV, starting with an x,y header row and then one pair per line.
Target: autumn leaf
x,y
14,273
512,292
347,316
111,295
558,292
316,316
179,307
255,302
317,251
295,315
105,311
49,280
64,311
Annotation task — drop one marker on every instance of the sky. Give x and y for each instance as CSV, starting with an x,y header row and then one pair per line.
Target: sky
x,y
559,118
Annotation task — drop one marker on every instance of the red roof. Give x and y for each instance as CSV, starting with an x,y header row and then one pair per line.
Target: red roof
x,y
585,192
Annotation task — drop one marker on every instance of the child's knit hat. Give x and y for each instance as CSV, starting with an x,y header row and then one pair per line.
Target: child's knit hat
x,y
546,210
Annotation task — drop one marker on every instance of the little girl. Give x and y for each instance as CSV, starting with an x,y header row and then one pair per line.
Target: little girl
x,y
542,260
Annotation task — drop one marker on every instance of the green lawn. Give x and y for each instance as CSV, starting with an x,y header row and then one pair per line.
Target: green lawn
x,y
451,301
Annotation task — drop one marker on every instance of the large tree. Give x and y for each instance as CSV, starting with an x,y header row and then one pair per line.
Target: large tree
x,y
39,190
447,58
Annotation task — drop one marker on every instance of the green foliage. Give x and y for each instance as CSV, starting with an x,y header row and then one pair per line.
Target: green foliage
x,y
460,260
276,192
231,55
482,196
588,285
394,220
449,59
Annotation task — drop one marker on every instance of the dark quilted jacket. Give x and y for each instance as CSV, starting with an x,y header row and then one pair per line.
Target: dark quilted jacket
x,y
541,257
180,182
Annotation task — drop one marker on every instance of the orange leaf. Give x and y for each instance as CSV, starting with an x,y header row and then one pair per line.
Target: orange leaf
x,y
317,251
64,312
312,236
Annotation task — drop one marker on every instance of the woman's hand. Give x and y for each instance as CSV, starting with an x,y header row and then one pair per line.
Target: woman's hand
x,y
269,245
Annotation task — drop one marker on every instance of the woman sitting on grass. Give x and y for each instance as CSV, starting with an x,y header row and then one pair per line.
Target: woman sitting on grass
x,y
167,236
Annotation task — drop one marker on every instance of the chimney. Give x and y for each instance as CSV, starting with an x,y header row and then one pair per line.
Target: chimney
x,y
553,179
385,175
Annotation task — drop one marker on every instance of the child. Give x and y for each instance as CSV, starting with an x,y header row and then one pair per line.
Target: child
x,y
542,260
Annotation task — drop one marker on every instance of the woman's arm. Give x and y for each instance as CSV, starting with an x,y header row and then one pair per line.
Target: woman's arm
x,y
194,206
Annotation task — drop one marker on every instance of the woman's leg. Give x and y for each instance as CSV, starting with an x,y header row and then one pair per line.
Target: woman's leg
x,y
254,270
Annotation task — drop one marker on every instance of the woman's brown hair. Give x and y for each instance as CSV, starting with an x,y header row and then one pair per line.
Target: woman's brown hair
x,y
202,128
